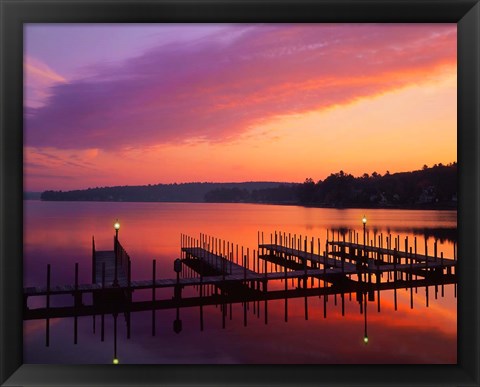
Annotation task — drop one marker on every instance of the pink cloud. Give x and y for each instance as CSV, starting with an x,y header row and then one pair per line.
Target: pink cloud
x,y
214,89
39,78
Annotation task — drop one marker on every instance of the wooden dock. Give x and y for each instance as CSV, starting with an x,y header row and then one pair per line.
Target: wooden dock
x,y
110,266
170,283
196,301
210,262
399,253
306,256
216,262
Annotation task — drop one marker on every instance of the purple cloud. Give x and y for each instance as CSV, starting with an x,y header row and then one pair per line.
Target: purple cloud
x,y
217,87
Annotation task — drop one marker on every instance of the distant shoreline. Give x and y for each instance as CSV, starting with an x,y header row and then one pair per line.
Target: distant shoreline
x,y
432,188
420,207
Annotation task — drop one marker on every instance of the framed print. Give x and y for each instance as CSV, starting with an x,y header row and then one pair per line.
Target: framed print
x,y
237,193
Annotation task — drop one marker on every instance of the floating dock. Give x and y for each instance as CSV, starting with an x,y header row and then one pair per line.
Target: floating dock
x,y
342,266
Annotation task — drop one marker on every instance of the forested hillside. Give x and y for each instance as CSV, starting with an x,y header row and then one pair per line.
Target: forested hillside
x,y
434,187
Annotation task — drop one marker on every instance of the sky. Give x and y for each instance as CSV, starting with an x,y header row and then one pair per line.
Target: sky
x,y
136,104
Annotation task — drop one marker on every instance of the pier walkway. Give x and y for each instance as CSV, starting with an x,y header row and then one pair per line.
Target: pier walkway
x,y
306,256
195,301
429,260
216,262
349,267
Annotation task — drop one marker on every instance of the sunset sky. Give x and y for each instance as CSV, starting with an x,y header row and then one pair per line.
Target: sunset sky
x,y
150,103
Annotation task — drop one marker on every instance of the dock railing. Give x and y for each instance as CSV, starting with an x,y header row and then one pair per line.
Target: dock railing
x,y
122,257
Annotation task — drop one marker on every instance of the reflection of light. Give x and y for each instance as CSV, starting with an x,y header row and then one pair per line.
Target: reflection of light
x,y
116,225
365,339
115,360
364,220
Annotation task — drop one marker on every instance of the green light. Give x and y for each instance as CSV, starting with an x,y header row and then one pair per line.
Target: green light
x,y
115,361
365,340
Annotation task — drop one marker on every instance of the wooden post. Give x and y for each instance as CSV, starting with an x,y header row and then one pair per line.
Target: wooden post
x,y
76,297
115,244
228,263
406,248
245,283
325,299
244,268
94,260
47,333
324,263
75,319
223,273
411,297
395,293
426,295
129,278
224,305
395,264
77,302
326,243
305,272
426,256
415,248
103,276
154,274
311,258
286,289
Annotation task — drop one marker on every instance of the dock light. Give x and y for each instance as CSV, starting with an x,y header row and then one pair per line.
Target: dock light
x,y
116,226
364,221
115,360
365,339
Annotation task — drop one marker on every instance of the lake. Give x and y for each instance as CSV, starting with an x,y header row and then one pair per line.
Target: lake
x,y
60,234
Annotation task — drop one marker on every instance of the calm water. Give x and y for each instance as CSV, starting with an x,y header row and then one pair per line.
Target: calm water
x,y
60,233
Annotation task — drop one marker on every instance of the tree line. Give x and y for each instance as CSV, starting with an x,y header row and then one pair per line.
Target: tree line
x,y
429,187
185,192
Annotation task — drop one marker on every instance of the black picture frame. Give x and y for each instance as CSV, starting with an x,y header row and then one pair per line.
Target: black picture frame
x,y
16,12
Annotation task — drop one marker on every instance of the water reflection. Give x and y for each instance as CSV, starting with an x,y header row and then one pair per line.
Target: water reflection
x,y
253,306
441,234
217,324
209,266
